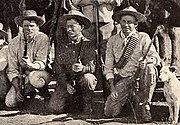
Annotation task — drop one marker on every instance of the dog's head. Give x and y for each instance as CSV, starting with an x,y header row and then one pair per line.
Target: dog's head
x,y
167,72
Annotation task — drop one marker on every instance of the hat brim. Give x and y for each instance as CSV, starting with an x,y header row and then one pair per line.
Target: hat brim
x,y
19,19
86,22
3,33
117,16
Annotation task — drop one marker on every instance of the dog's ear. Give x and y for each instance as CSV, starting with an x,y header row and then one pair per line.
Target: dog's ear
x,y
172,68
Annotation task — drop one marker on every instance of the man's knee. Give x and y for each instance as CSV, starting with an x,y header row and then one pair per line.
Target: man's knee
x,y
112,107
89,80
39,78
10,99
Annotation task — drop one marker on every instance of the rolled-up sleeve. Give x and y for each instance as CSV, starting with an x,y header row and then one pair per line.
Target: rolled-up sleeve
x,y
43,47
109,61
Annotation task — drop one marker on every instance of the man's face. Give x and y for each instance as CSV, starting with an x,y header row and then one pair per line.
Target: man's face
x,y
73,29
128,24
30,28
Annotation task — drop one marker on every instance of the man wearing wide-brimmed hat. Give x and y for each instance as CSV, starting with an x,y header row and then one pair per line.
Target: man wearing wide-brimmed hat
x,y
76,66
27,56
123,55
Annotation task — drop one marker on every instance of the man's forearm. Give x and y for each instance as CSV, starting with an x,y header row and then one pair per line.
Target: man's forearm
x,y
16,83
111,84
38,65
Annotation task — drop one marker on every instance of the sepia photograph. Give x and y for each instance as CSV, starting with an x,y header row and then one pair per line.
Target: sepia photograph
x,y
89,62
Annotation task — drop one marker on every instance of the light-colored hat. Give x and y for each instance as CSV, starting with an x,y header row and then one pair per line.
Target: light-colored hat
x,y
128,11
75,14
2,32
29,15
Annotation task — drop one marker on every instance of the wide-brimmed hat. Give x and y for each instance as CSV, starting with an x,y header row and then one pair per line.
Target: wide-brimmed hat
x,y
128,11
2,32
29,15
75,14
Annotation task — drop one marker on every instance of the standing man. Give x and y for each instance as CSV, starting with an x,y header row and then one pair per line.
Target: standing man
x,y
123,55
27,59
76,65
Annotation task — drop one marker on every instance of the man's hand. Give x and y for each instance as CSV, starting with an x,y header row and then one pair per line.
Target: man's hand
x,y
71,90
114,93
142,63
19,97
15,83
27,61
77,67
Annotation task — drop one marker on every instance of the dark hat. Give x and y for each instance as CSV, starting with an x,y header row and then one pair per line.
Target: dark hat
x,y
29,15
2,32
129,11
75,14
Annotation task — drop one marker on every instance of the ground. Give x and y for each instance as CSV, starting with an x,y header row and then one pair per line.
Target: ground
x,y
36,114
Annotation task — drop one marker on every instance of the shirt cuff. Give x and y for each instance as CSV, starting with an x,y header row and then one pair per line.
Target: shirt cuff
x,y
10,77
109,75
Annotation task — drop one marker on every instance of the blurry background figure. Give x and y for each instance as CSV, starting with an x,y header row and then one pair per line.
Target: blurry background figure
x,y
3,63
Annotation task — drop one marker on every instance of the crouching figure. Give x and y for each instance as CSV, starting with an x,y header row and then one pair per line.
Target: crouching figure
x,y
123,58
27,60
75,67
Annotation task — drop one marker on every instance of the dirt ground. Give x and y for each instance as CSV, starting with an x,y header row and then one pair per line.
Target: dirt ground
x,y
35,115
30,119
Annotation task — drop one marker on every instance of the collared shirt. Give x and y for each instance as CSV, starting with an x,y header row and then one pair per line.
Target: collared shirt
x,y
68,53
115,47
37,51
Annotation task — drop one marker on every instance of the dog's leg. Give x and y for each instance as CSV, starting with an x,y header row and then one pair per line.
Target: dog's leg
x,y
176,112
171,114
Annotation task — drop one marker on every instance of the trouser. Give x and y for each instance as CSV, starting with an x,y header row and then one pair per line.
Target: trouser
x,y
148,84
62,101
113,106
126,90
35,79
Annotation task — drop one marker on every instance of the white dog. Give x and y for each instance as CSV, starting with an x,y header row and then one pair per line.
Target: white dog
x,y
171,91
